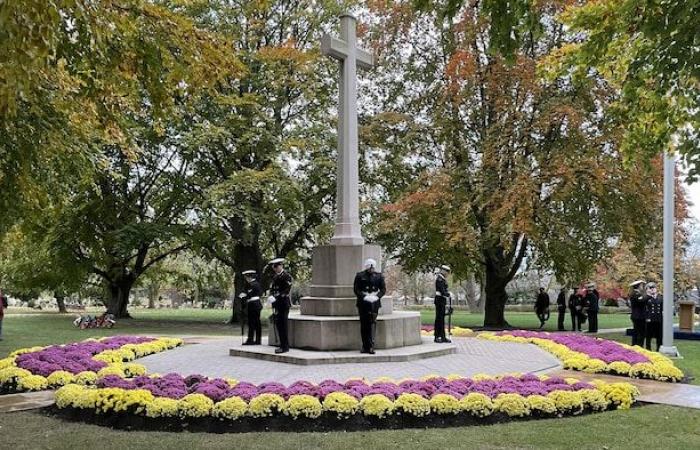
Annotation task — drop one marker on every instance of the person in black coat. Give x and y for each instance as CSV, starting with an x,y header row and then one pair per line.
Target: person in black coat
x,y
542,307
251,296
575,310
442,295
561,308
369,289
281,302
654,316
637,300
593,307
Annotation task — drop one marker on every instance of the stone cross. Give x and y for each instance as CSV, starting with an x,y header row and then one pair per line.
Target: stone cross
x,y
345,50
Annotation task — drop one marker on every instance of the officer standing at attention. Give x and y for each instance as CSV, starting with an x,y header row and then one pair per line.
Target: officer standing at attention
x,y
561,308
441,297
369,289
654,316
251,295
281,302
638,305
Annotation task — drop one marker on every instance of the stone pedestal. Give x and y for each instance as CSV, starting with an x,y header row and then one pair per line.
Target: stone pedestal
x,y
328,318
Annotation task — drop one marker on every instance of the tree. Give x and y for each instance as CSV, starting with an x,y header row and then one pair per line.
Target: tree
x,y
262,150
511,163
649,50
73,73
107,87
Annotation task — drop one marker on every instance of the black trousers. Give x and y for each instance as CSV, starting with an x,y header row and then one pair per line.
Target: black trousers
x,y
281,321
440,304
543,315
560,319
368,315
639,331
575,319
653,331
254,324
592,321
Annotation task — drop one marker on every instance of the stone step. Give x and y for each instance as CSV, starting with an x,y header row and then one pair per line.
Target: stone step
x,y
427,349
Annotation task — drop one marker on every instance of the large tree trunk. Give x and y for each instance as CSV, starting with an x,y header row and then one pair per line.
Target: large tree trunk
x,y
119,291
61,302
246,257
496,297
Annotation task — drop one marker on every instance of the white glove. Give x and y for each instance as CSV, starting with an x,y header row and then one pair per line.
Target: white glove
x,y
371,298
242,295
271,299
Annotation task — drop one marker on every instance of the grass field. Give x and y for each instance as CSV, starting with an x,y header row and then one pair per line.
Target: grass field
x,y
526,320
666,427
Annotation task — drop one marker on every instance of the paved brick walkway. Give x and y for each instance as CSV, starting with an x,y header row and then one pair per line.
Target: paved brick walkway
x,y
210,357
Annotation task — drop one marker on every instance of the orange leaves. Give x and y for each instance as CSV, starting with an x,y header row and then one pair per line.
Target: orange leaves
x,y
461,66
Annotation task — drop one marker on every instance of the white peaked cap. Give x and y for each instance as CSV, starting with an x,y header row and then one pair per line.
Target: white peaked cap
x,y
277,261
248,272
369,262
445,268
635,283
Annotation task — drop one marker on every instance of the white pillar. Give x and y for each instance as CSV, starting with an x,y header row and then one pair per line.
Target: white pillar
x,y
668,348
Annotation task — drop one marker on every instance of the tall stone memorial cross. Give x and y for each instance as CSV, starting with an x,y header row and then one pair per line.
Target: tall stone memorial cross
x,y
349,56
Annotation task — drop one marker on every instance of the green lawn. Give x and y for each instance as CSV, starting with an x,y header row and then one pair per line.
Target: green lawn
x,y
44,329
526,320
666,427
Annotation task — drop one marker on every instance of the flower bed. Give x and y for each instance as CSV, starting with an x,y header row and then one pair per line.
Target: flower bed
x,y
595,355
38,368
427,330
175,402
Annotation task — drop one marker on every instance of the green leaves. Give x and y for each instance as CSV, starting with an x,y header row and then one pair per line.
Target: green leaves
x,y
648,49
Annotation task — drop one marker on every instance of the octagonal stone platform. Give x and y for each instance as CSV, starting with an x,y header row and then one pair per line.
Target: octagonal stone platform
x,y
424,350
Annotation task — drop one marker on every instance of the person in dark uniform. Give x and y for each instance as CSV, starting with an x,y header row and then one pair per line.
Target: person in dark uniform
x,y
638,312
542,307
281,301
574,305
654,316
592,305
251,296
442,295
561,308
369,289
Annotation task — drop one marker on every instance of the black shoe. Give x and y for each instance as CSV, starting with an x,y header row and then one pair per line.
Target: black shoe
x,y
446,341
364,350
281,350
371,351
248,343
437,340
256,343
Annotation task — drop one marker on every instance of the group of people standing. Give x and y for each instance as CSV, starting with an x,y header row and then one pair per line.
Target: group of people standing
x,y
646,312
583,305
279,299
368,286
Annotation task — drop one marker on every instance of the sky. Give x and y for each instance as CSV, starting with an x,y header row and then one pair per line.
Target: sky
x,y
693,191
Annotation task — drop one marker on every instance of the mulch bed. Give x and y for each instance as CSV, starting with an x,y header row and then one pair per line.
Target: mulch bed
x,y
325,423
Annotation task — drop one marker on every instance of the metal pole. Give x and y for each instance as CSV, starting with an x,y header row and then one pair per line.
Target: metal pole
x,y
668,348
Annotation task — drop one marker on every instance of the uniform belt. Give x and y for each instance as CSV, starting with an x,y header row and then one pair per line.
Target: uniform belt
x,y
254,299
